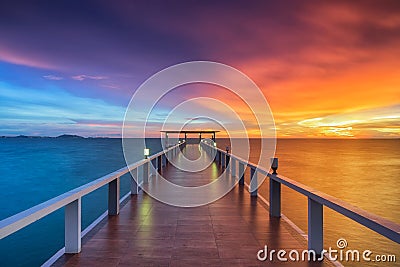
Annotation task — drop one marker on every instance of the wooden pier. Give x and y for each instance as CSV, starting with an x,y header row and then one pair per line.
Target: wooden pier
x,y
228,232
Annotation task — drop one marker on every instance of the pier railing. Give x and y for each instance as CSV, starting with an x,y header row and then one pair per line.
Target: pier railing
x,y
316,199
71,200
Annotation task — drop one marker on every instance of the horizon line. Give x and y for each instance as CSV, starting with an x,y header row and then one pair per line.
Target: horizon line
x,y
72,136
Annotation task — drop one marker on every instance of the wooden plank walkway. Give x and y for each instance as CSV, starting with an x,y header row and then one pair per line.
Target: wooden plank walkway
x,y
228,232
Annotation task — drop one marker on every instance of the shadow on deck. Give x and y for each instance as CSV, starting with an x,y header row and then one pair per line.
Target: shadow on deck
x,y
227,232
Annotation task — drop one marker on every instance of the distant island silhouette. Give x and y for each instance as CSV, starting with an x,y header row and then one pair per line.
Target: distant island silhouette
x,y
69,136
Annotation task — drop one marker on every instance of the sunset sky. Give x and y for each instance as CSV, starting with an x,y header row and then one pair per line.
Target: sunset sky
x,y
327,68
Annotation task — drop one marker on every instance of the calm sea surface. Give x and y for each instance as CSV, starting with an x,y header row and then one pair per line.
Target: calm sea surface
x,y
364,173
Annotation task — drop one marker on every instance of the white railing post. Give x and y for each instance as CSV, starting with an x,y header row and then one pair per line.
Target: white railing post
x,y
274,191
145,173
134,184
233,167
73,227
152,167
159,163
241,173
315,226
113,197
274,198
253,182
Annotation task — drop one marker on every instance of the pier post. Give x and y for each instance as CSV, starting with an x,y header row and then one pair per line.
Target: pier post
x,y
315,226
159,163
165,160
253,182
113,197
146,173
274,198
153,164
274,191
233,167
241,173
73,227
134,184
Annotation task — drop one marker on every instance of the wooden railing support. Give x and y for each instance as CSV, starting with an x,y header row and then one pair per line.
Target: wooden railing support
x,y
253,182
134,184
113,197
315,226
233,167
146,173
73,226
274,198
159,163
241,173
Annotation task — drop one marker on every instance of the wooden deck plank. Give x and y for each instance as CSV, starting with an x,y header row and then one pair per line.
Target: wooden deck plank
x,y
228,232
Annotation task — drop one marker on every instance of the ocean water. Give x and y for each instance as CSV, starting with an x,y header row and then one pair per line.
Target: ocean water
x,y
34,170
364,173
